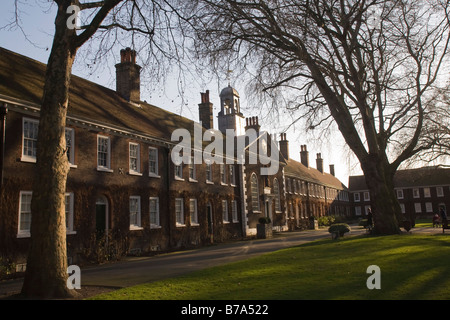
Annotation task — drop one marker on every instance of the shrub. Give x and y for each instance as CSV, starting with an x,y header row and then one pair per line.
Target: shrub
x,y
264,220
339,228
326,220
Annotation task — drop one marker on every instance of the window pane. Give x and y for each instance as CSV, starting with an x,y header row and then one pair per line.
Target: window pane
x,y
103,150
153,160
30,134
255,193
154,211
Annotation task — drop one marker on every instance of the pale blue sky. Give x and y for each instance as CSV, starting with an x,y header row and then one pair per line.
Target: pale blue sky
x,y
37,22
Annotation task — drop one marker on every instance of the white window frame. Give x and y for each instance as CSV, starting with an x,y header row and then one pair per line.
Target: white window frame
x,y
225,217
358,210
138,224
427,192
153,173
33,140
106,168
400,194
154,216
179,212
366,196
223,174
193,212
428,207
416,193
24,233
276,191
234,211
232,175
137,157
356,197
254,191
402,207
178,172
417,207
439,192
69,203
70,148
209,173
192,170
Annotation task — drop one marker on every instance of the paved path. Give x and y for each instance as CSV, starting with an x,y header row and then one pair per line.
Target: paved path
x,y
136,270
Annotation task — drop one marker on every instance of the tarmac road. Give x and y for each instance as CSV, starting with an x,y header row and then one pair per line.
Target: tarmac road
x,y
136,270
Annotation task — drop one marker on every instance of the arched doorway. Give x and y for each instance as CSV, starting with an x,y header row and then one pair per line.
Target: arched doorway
x,y
101,218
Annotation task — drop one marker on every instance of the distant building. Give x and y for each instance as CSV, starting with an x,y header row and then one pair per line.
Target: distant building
x,y
421,192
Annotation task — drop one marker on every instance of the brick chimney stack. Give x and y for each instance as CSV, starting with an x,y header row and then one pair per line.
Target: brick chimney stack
x,y
304,156
332,170
205,111
319,162
128,83
252,123
284,146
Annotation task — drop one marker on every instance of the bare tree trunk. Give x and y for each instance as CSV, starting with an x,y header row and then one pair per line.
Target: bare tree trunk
x,y
46,273
385,207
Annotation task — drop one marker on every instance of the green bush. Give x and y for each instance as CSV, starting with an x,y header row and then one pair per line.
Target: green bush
x,y
326,220
340,228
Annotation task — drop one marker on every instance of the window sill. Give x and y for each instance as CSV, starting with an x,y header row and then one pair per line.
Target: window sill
x,y
131,173
154,226
28,159
24,235
73,166
193,224
193,180
209,182
179,225
136,228
101,169
178,179
154,175
71,232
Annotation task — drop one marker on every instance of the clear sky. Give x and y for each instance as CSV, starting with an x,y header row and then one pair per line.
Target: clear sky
x,y
36,18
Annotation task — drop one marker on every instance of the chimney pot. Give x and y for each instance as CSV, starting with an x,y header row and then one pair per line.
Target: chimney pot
x,y
284,146
128,76
319,162
205,111
332,170
304,156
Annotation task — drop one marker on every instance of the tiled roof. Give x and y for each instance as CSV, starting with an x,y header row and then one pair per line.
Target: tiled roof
x,y
425,176
23,78
300,171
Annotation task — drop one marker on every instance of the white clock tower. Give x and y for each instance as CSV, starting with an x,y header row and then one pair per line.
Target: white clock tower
x,y
230,116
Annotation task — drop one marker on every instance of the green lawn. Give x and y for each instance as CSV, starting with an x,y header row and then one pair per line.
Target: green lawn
x,y
412,267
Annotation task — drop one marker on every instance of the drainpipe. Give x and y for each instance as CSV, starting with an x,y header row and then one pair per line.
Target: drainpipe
x,y
3,112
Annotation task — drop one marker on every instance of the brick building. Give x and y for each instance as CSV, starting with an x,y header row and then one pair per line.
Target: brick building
x,y
311,192
421,192
124,193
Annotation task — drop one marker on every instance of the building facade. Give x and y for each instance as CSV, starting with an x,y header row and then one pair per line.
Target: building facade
x,y
421,192
124,193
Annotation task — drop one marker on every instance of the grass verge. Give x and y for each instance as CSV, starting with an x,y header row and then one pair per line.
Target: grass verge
x,y
412,267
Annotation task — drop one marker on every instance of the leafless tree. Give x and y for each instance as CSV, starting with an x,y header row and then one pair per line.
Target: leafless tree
x,y
372,67
150,22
